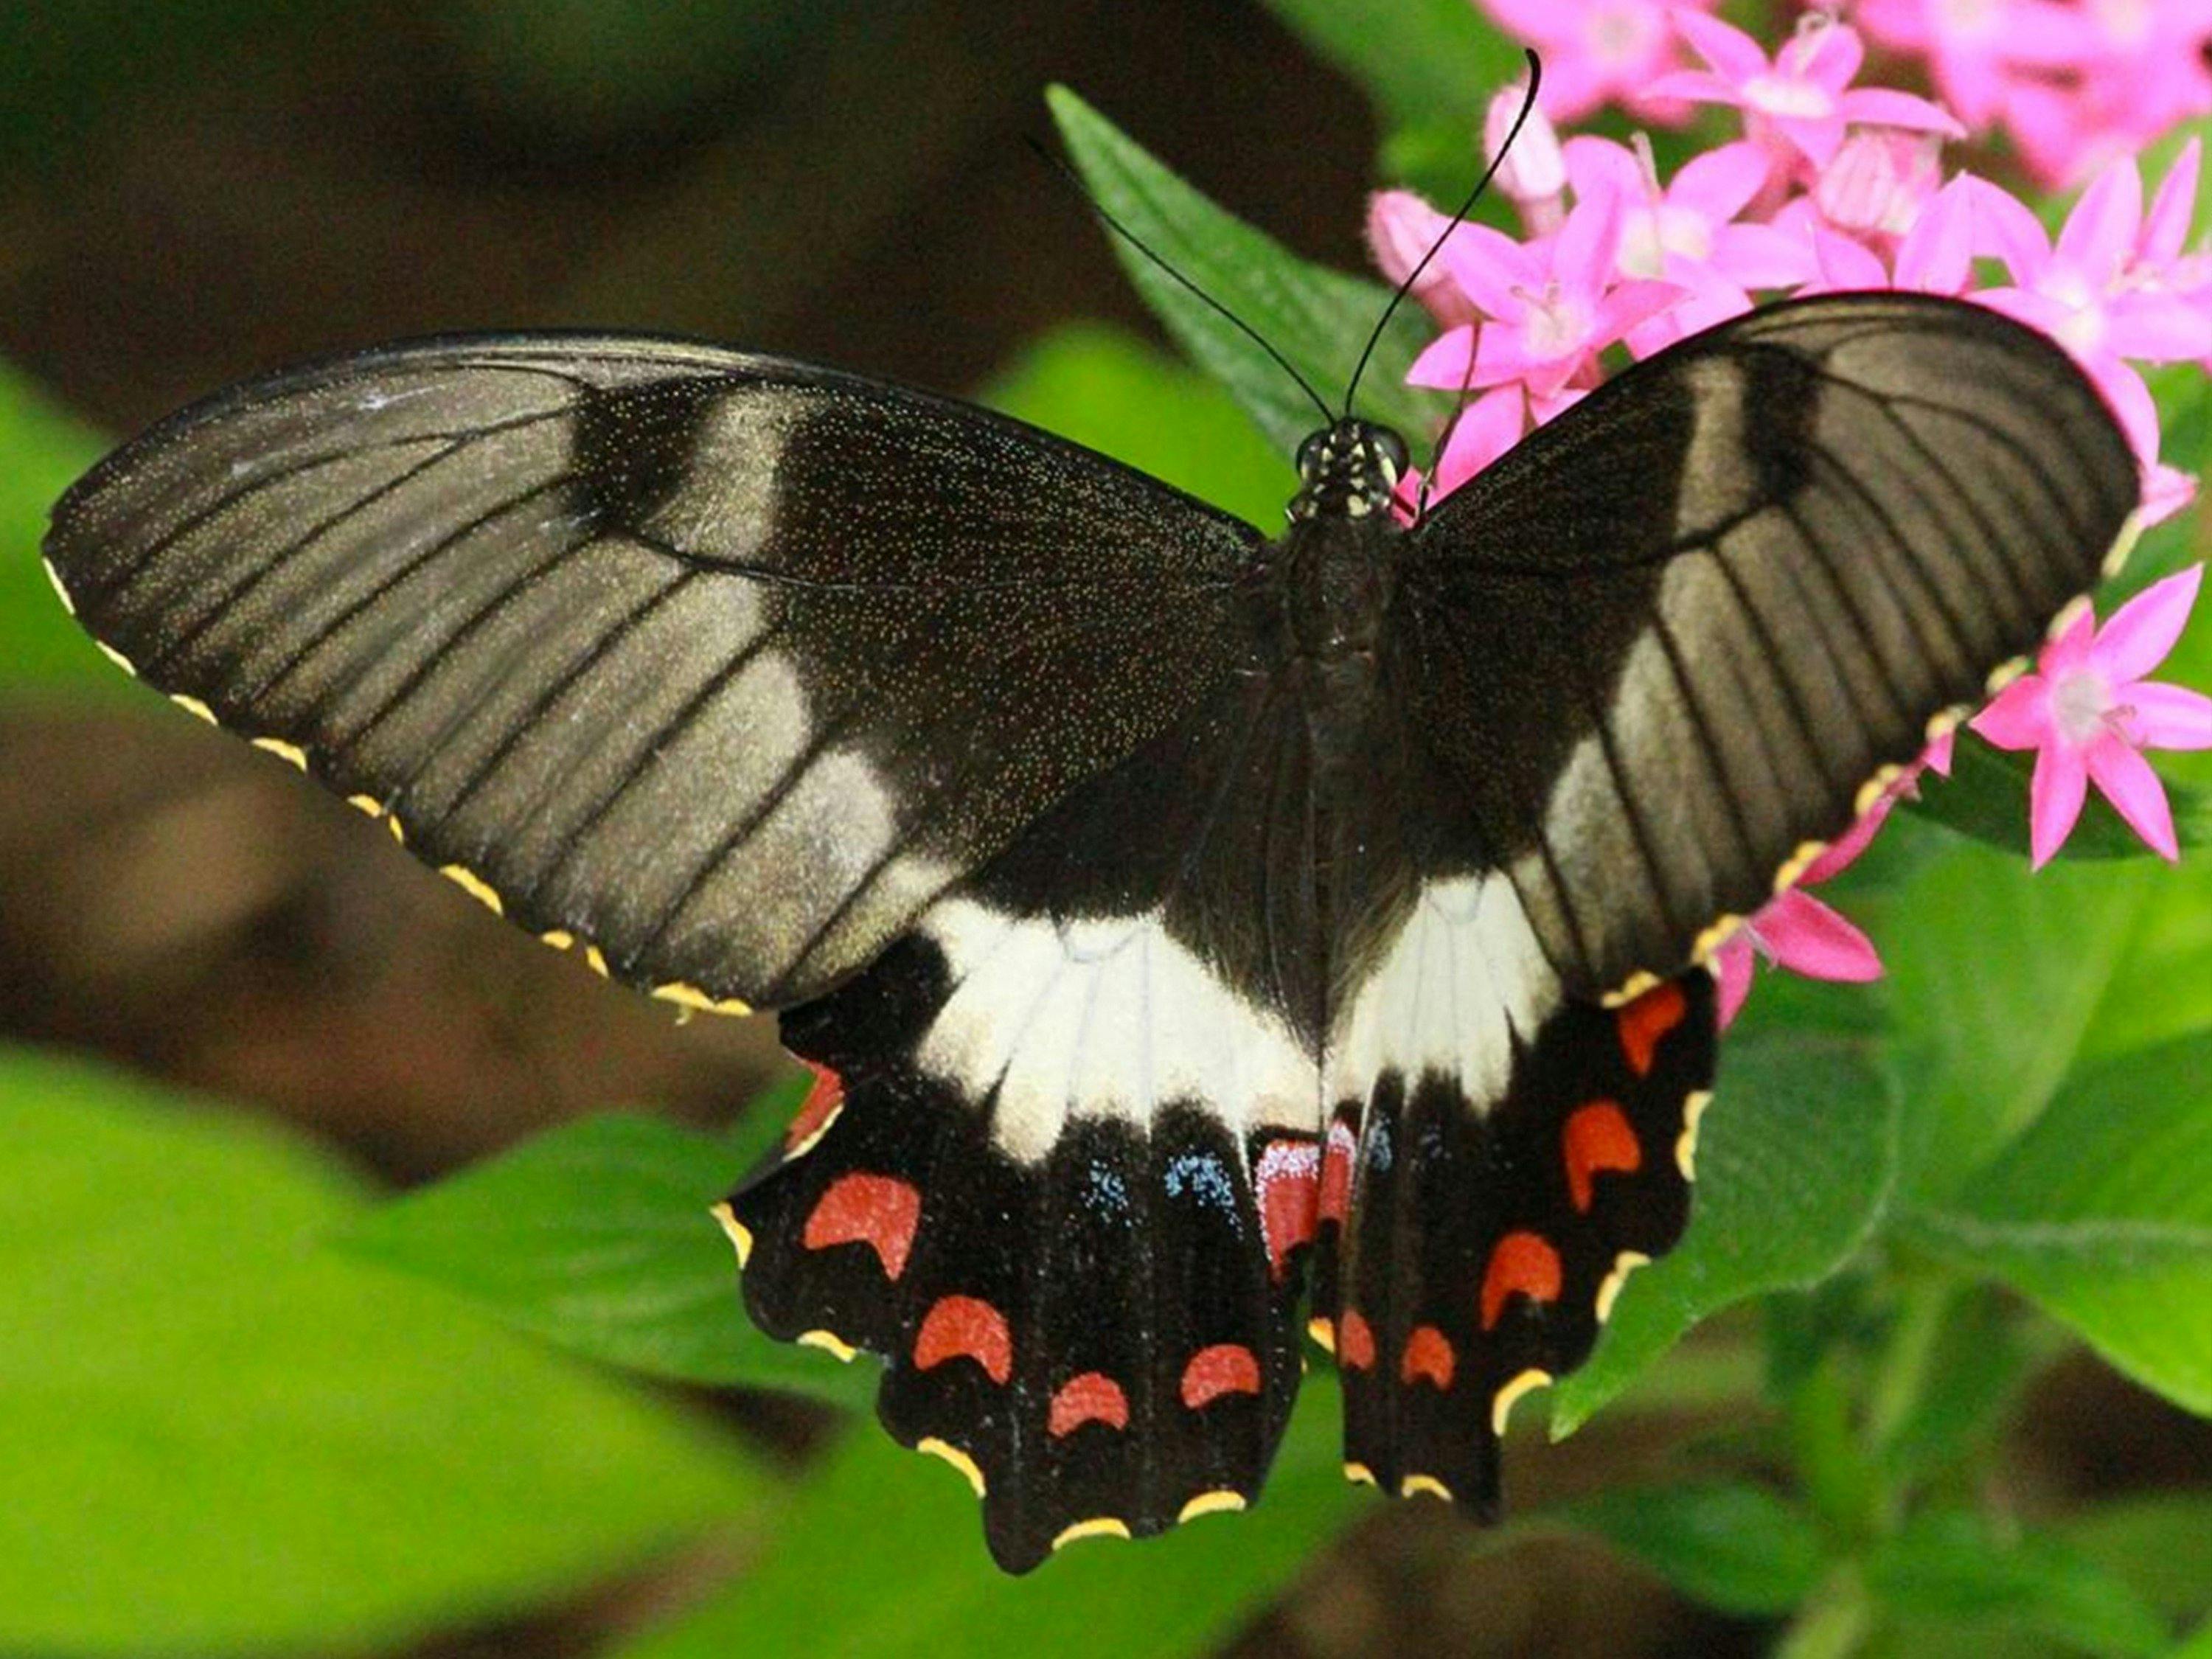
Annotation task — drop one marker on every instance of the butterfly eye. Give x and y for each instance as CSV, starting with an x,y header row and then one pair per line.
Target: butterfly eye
x,y
1309,453
1392,450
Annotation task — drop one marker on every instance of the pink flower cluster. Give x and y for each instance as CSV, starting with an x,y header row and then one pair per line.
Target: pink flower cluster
x,y
2075,83
1834,186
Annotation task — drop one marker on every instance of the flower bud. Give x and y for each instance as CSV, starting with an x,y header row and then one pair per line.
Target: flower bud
x,y
1880,181
1534,172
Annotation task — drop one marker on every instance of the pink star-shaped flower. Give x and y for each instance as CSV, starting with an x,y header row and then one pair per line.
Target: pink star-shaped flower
x,y
2105,290
1598,52
2088,712
1554,305
1686,232
1801,100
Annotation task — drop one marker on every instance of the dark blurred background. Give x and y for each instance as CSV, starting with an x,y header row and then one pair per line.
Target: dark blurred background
x,y
191,193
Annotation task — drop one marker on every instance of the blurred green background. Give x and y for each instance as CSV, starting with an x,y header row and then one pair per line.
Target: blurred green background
x,y
243,1408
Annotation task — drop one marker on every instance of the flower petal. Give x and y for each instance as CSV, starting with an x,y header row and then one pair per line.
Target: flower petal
x,y
2128,781
2019,718
2166,230
1880,106
1445,361
1807,937
2006,228
1732,966
2055,795
2143,630
2170,716
2099,233
1937,254
1485,429
1730,51
1719,184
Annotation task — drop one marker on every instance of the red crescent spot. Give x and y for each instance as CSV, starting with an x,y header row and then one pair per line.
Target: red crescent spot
x,y
965,1328
1522,1264
1224,1368
1597,1137
1288,1175
878,1211
1336,1173
1646,1020
1355,1342
1093,1397
820,1105
1427,1355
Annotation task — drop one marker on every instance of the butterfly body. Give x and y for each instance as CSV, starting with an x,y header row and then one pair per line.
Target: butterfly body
x,y
1171,916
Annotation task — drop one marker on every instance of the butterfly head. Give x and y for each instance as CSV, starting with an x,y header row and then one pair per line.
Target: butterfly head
x,y
1348,471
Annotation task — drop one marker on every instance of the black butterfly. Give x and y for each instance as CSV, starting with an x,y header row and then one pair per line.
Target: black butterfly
x,y
1163,908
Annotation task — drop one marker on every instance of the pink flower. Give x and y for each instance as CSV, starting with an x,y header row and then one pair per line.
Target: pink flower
x,y
1798,932
1795,930
2089,713
2129,71
1687,233
1554,305
2105,290
1597,52
1975,47
1800,100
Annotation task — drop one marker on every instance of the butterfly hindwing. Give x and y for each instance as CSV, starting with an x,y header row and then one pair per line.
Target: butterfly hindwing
x,y
1471,1248
1662,648
718,666
1098,1328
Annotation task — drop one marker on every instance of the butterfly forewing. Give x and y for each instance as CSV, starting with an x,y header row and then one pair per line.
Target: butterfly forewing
x,y
1670,639
720,666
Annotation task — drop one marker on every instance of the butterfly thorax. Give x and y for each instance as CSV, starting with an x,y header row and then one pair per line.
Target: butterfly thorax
x,y
1336,568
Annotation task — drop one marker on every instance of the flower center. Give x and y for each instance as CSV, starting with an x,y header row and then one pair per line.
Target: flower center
x,y
1556,325
2081,706
1787,97
1619,37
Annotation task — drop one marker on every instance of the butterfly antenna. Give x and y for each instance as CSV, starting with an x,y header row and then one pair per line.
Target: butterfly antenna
x,y
1075,183
1528,103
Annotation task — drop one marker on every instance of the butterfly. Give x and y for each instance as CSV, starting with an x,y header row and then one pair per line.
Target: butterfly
x,y
1188,929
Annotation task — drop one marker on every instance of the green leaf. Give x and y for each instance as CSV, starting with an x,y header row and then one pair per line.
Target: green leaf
x,y
1424,63
2161,1547
1796,1160
1994,978
219,1435
1950,1565
1735,1546
1985,797
597,1235
883,1554
1100,386
1957,1364
45,450
1318,319
2102,1214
